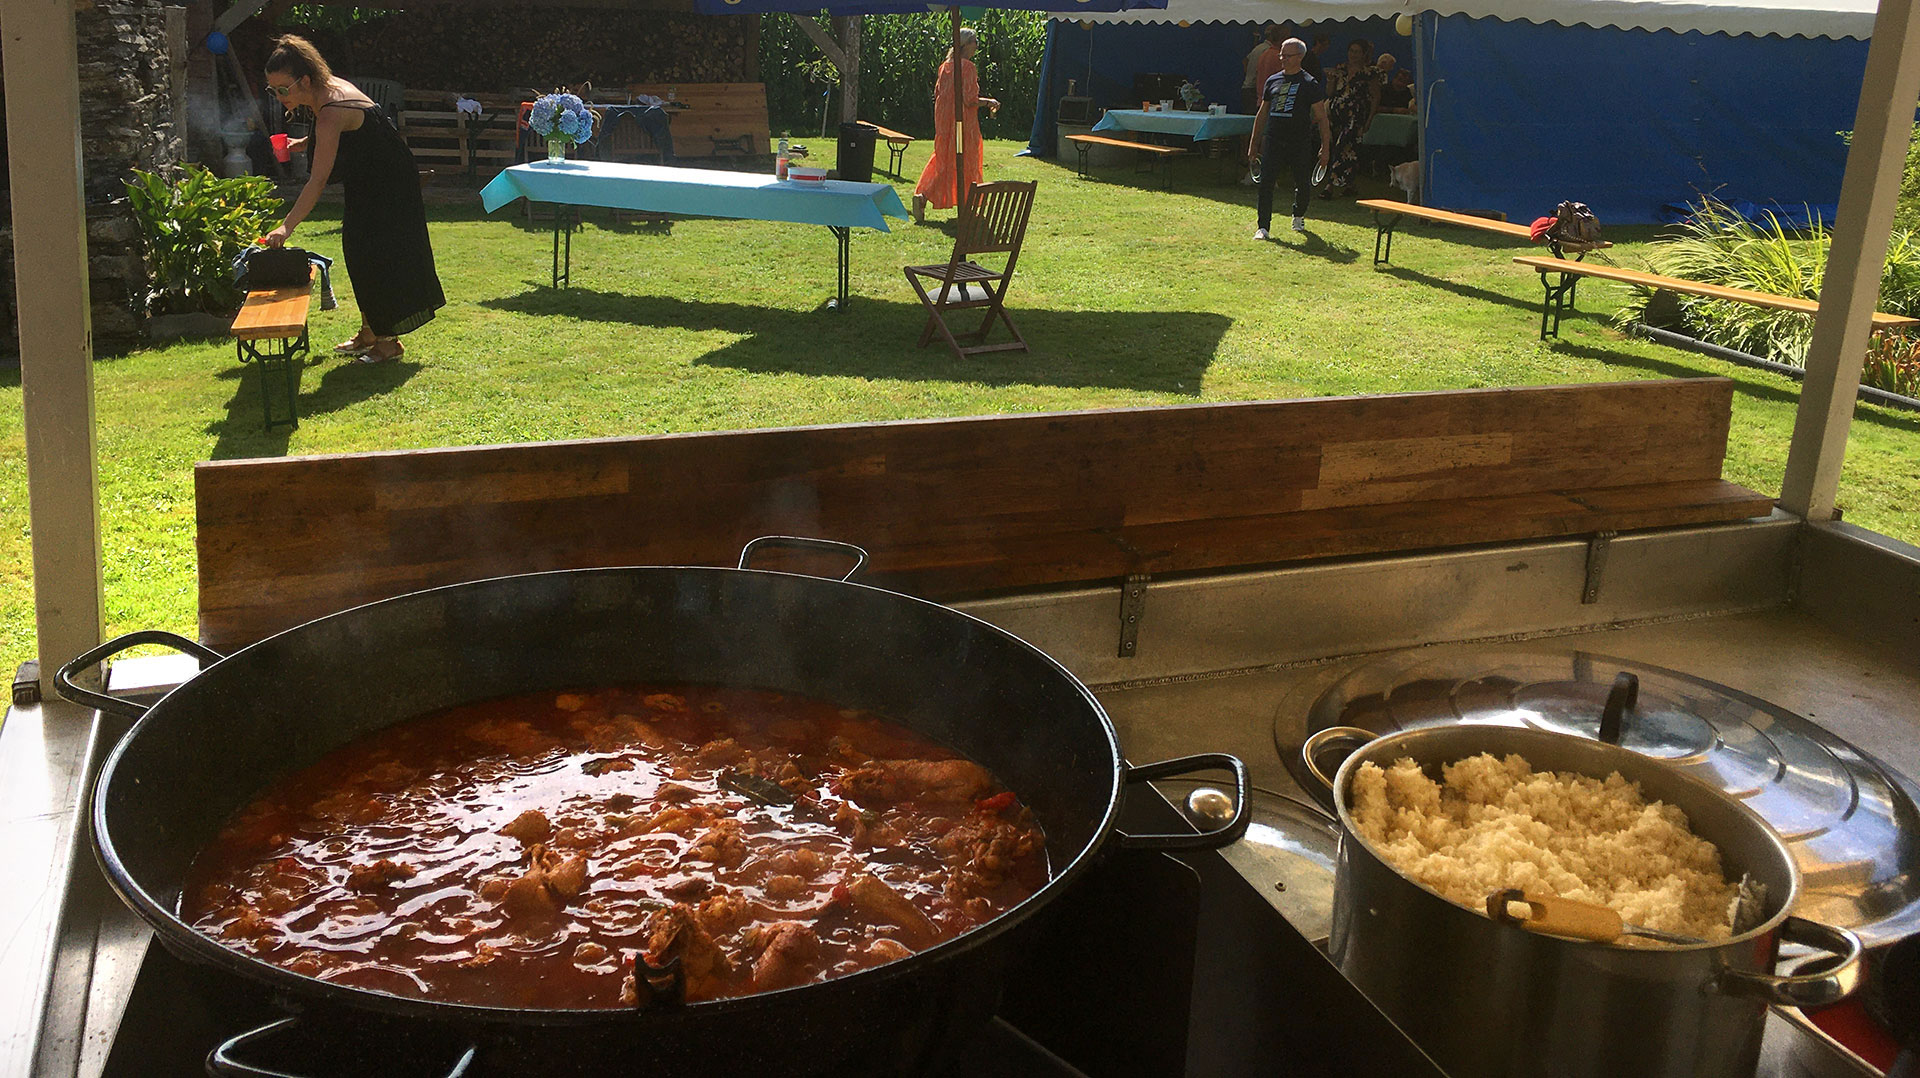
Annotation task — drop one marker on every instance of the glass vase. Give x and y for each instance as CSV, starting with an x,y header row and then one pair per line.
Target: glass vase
x,y
556,150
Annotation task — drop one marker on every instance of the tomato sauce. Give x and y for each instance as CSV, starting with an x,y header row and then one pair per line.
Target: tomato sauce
x,y
529,851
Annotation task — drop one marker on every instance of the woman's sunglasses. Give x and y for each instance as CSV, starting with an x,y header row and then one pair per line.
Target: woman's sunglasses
x,y
279,91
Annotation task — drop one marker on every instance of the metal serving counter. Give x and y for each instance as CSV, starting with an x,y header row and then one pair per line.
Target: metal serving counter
x,y
1821,619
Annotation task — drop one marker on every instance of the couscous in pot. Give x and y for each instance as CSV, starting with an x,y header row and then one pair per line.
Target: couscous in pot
x,y
1489,1000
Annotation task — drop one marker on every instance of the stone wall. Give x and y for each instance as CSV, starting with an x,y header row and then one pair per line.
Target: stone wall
x,y
128,121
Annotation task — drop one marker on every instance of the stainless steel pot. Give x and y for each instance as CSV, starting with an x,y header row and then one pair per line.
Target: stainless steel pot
x,y
1487,999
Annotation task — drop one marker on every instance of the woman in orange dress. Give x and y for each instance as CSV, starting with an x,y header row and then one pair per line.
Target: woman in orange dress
x,y
937,179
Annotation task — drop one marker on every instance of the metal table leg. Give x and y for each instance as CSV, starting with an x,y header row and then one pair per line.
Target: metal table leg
x,y
562,272
843,235
1556,301
279,361
1081,148
1383,230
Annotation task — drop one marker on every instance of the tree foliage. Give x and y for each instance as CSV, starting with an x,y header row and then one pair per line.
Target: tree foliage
x,y
899,58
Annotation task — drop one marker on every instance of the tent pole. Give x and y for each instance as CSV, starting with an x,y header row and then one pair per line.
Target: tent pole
x,y
1851,287
56,342
959,123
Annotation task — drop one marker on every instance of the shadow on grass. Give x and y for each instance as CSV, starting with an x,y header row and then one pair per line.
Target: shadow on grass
x,y
1149,351
1311,243
1746,382
242,432
1485,295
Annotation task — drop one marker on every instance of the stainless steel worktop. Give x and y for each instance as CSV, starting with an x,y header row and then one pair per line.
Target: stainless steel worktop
x,y
1823,620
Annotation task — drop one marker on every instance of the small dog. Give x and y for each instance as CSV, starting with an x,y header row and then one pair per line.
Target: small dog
x,y
1406,176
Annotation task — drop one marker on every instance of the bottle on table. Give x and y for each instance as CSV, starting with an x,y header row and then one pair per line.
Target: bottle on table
x,y
780,161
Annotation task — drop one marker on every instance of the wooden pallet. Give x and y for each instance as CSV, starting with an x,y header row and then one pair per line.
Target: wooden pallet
x,y
722,119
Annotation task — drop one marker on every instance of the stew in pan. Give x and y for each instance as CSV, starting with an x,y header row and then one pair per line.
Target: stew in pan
x,y
560,850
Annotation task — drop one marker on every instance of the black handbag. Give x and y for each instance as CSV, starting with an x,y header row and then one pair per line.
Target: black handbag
x,y
259,269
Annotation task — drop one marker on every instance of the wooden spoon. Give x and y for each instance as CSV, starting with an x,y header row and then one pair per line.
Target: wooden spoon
x,y
1551,915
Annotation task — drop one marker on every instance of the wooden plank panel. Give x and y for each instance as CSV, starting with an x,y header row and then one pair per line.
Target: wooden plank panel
x,y
976,503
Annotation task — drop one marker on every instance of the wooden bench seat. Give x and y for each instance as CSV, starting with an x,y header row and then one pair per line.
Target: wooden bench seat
x,y
1384,226
1149,152
719,119
897,144
270,331
956,507
1557,293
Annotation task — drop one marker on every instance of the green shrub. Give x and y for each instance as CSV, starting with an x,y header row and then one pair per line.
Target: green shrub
x,y
899,60
1718,246
194,225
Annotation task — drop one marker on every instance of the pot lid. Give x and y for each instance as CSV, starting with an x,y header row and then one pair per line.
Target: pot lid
x,y
1850,820
1288,853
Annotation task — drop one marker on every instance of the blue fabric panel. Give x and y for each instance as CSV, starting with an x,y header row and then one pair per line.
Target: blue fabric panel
x,y
1104,57
1523,116
698,192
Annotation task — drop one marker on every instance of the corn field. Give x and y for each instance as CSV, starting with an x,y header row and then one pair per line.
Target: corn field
x,y
899,58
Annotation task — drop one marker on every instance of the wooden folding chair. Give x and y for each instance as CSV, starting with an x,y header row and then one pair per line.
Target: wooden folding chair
x,y
993,220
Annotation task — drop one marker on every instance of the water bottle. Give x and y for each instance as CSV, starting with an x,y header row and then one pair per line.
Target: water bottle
x,y
673,94
780,161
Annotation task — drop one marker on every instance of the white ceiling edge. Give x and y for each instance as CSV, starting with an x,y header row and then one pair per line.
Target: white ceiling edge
x,y
1783,18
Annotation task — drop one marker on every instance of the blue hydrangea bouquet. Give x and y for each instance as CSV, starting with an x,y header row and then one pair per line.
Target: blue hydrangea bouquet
x,y
563,120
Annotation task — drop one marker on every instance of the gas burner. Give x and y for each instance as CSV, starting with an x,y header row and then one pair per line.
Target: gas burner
x,y
1850,820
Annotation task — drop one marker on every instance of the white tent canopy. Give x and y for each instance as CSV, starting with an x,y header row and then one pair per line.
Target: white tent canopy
x,y
1786,18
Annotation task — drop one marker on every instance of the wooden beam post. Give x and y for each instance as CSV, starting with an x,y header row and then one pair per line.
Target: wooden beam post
x,y
56,340
1882,127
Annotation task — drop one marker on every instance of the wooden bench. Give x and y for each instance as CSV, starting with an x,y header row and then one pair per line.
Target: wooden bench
x,y
271,332
897,144
1383,227
719,119
957,507
1149,153
1558,293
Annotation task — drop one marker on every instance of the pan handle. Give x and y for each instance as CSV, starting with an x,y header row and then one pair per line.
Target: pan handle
x,y
1317,743
801,542
1830,985
224,1061
63,678
1211,840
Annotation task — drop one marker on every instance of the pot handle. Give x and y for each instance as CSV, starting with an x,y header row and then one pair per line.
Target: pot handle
x,y
223,1061
1211,840
1803,989
63,678
1310,751
858,554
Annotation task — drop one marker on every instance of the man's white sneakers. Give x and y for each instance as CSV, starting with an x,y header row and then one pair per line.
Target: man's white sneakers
x,y
1299,224
1259,233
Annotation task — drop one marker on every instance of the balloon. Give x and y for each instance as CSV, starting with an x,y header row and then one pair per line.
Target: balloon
x,y
1403,25
217,43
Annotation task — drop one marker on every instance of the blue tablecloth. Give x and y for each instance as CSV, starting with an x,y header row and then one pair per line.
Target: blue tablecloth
x,y
698,192
1201,125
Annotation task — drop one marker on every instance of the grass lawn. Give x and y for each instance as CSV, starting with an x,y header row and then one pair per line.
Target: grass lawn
x,y
1128,295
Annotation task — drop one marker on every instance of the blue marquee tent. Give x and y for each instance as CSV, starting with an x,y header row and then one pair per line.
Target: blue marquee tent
x,y
1631,107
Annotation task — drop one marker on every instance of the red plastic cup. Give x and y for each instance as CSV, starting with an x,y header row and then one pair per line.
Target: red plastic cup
x,y
281,152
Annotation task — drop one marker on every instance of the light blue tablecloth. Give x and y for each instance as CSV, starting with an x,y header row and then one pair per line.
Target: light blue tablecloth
x,y
1201,125
698,192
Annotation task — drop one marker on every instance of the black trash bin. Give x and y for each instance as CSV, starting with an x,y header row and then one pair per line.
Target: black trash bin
x,y
856,151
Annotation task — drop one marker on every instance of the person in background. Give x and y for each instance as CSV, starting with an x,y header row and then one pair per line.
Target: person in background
x,y
1397,95
1250,67
1292,106
383,228
938,181
1321,43
1353,92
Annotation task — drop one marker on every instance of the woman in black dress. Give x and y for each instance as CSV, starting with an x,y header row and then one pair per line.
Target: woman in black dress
x,y
383,230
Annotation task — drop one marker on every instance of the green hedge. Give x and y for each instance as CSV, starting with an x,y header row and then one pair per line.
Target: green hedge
x,y
899,59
